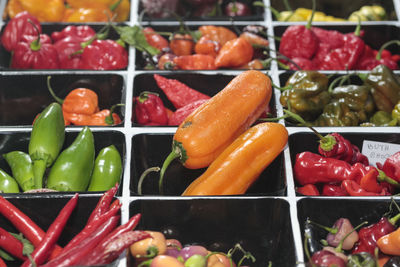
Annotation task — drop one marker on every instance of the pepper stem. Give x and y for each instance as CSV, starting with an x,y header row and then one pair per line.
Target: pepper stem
x,y
382,177
394,219
339,247
314,6
306,249
110,119
35,44
357,32
379,55
303,122
173,155
144,175
59,100
329,229
115,5
39,167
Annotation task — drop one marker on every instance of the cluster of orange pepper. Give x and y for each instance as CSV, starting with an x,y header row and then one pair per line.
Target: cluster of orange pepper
x,y
218,47
71,10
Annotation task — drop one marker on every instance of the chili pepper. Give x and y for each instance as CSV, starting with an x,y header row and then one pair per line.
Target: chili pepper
x,y
166,62
104,55
23,223
262,143
381,118
107,169
389,243
373,58
181,113
182,44
333,190
361,259
195,62
197,142
17,27
337,113
369,182
13,8
320,258
154,39
234,53
177,92
385,87
72,169
104,203
369,235
46,140
255,40
42,252
81,33
206,46
342,231
396,113
103,117
44,10
96,12
150,110
308,190
35,53
11,245
119,8
2,263
82,249
7,183
21,168
218,34
308,93
391,166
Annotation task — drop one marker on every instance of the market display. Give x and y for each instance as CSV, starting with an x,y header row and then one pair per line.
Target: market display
x,y
199,133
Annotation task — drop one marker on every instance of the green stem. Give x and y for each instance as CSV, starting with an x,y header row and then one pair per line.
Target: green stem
x,y
339,247
173,155
35,45
110,119
115,5
382,177
144,174
394,219
59,100
379,55
307,250
329,229
302,121
39,168
357,32
314,6
287,5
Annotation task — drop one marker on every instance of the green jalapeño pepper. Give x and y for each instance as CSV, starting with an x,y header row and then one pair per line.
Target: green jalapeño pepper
x,y
73,167
47,139
307,94
107,169
337,113
7,183
21,168
385,87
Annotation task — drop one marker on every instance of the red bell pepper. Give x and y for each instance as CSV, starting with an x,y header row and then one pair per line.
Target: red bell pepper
x,y
104,55
150,110
181,113
308,190
18,27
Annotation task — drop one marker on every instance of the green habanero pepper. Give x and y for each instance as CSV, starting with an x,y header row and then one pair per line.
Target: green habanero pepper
x,y
337,113
73,167
382,118
21,168
8,183
385,87
107,169
307,94
396,113
47,139
361,259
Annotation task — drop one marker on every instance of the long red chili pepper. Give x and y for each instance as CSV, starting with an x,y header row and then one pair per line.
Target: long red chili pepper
x,y
83,248
12,245
23,223
42,252
104,203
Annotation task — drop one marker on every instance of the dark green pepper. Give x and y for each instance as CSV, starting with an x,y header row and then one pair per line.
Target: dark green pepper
x,y
47,139
385,87
361,259
337,113
21,168
307,94
107,169
396,113
73,167
8,183
357,97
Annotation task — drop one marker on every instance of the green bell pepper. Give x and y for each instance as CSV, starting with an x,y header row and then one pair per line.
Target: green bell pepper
x,y
8,183
21,168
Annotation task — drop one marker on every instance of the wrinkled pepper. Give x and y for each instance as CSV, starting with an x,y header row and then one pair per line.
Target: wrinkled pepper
x,y
182,44
44,10
8,183
234,53
73,168
396,113
107,169
150,110
391,166
104,117
337,113
206,46
355,189
232,173
21,168
195,62
46,140
381,118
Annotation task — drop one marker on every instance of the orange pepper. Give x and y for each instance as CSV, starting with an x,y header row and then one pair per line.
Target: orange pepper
x,y
195,62
89,13
390,243
241,163
44,10
154,39
218,34
234,53
206,46
81,101
122,9
255,64
254,39
96,119
13,8
182,44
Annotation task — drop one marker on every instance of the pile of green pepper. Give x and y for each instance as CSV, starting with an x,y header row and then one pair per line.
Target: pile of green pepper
x,y
376,102
73,169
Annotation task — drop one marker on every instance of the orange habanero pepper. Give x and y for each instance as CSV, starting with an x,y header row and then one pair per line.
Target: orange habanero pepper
x,y
218,34
44,10
255,40
90,13
101,118
239,166
390,243
13,8
119,7
205,133
234,53
195,62
182,44
154,39
206,46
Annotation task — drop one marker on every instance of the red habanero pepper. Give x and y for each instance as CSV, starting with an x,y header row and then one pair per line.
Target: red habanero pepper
x,y
181,113
308,190
303,63
11,245
333,190
372,58
42,252
2,263
104,55
391,166
81,33
195,62
177,92
18,27
354,189
150,110
154,39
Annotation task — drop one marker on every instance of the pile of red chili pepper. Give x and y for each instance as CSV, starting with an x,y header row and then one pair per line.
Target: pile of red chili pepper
x,y
75,47
340,169
100,242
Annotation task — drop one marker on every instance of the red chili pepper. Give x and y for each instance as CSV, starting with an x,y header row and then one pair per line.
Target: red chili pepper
x,y
11,245
75,254
372,58
354,189
308,190
2,263
181,113
42,252
333,190
195,62
150,110
154,39
81,33
166,62
298,41
369,181
18,27
298,63
177,92
104,55
391,166
330,38
104,203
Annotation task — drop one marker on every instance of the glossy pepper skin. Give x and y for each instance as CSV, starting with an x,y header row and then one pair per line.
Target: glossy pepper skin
x,y
21,168
8,183
195,62
73,168
337,113
389,243
180,114
298,41
308,190
308,94
46,140
107,169
44,10
104,55
150,110
234,53
391,166
18,27
218,34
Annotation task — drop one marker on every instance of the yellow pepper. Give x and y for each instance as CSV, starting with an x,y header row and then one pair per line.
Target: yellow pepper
x,y
369,13
44,10
13,8
97,12
121,10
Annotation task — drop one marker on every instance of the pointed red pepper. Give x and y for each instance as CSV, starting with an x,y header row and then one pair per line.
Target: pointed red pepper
x,y
308,190
354,189
181,113
391,166
150,110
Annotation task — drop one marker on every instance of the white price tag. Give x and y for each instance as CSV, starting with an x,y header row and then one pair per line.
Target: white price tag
x,y
378,151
